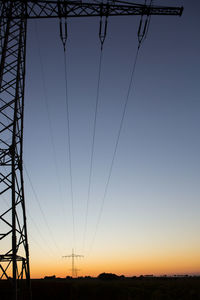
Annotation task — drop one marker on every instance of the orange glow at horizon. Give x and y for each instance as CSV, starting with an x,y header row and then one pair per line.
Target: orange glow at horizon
x,y
156,265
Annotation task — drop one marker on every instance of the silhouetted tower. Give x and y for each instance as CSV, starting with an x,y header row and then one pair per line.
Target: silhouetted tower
x,y
14,252
73,256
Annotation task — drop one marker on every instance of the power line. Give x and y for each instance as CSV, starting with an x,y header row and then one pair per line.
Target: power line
x,y
32,220
103,24
69,146
52,254
142,33
48,116
116,146
38,230
40,208
38,244
50,126
93,143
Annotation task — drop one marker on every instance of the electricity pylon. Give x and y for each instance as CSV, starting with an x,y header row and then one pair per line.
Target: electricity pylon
x,y
73,256
14,252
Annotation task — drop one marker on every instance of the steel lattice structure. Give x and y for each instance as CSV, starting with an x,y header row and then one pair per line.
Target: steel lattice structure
x,y
14,252
55,9
73,256
14,261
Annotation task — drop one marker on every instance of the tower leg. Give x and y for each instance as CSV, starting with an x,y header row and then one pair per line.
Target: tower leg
x,y
14,252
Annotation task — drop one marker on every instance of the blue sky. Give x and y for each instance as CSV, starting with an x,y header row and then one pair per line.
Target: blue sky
x,y
152,205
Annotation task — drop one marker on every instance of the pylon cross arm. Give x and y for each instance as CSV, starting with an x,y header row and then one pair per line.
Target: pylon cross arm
x,y
55,9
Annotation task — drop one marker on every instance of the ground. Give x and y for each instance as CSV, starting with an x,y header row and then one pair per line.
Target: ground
x,y
117,289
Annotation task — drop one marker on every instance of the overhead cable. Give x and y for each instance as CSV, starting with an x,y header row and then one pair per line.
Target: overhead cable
x,y
115,150
40,208
141,37
45,241
92,150
63,36
49,120
102,36
144,25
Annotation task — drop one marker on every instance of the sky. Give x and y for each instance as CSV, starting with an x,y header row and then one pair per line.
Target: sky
x,y
149,223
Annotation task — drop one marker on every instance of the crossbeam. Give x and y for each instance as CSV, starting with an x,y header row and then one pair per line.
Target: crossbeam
x,y
71,9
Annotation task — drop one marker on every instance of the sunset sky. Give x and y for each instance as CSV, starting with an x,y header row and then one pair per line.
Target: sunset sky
x,y
151,214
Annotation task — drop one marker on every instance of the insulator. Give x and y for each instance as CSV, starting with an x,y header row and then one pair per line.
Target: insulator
x,y
103,30
63,32
143,26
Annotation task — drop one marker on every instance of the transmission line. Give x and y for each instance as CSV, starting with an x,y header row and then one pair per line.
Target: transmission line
x,y
92,150
48,117
69,149
38,244
50,254
142,33
103,24
38,230
63,36
41,210
32,220
115,149
60,196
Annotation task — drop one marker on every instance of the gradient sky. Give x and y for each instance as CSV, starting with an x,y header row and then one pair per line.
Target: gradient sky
x,y
150,220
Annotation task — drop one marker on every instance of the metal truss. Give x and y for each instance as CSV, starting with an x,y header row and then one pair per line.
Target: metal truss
x,y
55,9
14,252
73,256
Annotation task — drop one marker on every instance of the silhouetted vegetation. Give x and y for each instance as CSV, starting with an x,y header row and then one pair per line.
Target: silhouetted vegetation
x,y
118,288
50,277
108,276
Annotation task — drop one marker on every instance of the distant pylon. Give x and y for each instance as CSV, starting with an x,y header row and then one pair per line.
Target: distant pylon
x,y
76,272
73,256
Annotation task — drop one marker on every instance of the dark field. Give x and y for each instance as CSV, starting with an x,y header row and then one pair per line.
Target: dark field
x,y
119,289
